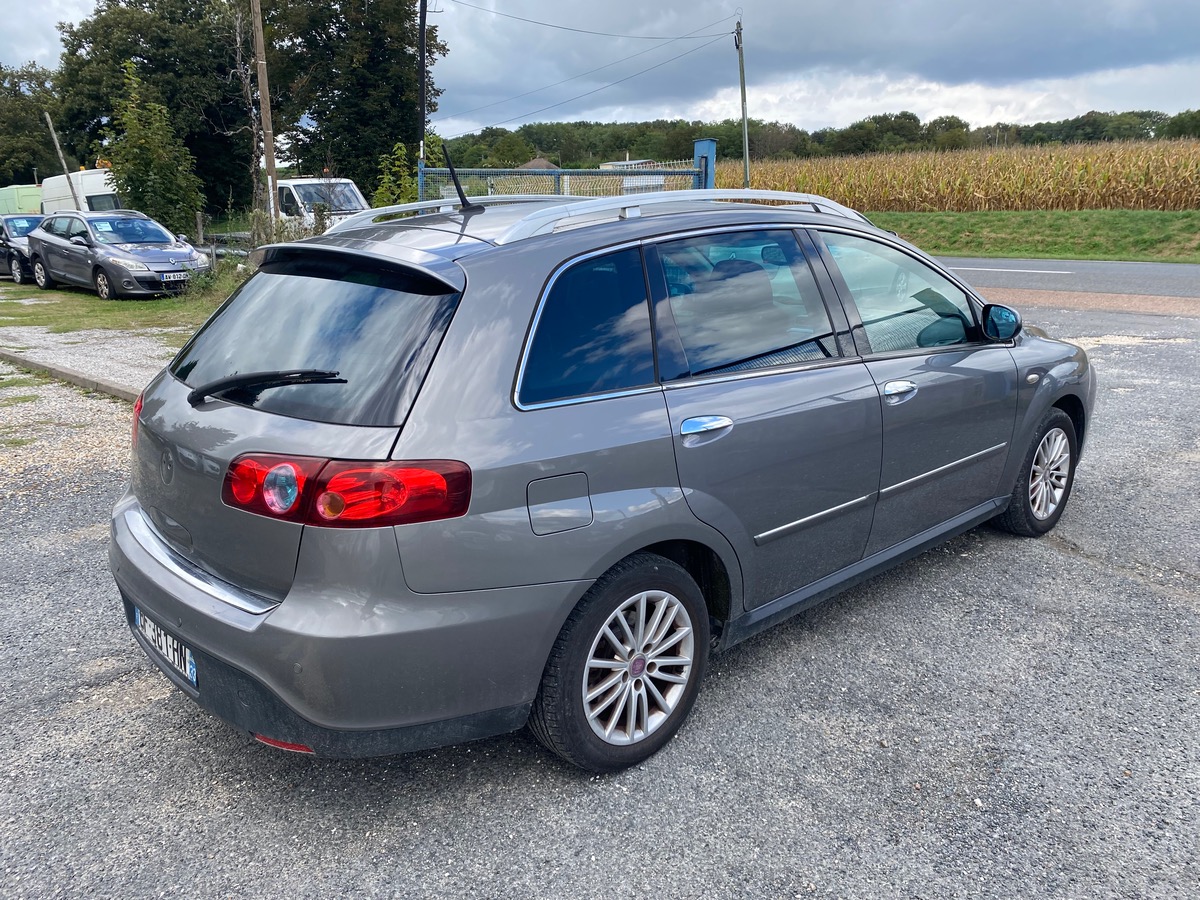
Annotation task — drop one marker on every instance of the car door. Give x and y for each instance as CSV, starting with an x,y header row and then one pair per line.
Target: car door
x,y
77,258
948,397
52,237
776,423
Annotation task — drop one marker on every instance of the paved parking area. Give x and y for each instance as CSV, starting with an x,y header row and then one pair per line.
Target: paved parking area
x,y
998,717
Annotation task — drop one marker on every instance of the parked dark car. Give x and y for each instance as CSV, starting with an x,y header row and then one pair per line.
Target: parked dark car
x,y
14,246
118,253
428,478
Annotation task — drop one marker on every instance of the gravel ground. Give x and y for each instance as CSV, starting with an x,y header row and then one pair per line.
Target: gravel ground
x,y
130,360
999,717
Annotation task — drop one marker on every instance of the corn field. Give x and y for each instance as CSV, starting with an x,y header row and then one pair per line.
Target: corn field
x,y
1162,175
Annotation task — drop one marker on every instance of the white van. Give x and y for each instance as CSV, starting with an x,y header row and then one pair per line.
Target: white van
x,y
93,186
298,198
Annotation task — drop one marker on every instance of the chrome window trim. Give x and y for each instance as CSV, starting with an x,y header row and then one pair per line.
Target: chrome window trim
x,y
589,398
537,318
689,380
940,470
145,536
791,527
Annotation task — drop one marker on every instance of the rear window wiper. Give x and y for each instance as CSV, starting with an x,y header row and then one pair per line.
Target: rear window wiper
x,y
263,380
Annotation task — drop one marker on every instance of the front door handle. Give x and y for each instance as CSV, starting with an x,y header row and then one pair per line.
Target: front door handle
x,y
898,391
701,424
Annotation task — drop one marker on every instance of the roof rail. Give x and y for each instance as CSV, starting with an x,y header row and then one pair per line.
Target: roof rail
x,y
370,216
549,219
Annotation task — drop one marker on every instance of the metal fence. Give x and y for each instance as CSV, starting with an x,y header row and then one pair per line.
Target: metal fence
x,y
611,180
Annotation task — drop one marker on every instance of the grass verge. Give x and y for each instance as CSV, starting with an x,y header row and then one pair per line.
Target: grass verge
x,y
1123,234
77,309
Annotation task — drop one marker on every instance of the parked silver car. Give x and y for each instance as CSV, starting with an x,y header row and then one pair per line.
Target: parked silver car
x,y
435,475
118,253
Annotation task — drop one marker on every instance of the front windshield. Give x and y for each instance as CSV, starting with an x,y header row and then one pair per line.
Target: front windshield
x,y
335,196
21,227
125,230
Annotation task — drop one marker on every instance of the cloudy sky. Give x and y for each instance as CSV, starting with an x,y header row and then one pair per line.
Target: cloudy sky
x,y
815,63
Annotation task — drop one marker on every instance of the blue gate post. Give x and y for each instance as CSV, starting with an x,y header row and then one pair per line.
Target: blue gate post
x,y
705,159
420,179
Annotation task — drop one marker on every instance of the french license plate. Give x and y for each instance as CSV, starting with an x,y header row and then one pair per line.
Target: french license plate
x,y
173,651
176,276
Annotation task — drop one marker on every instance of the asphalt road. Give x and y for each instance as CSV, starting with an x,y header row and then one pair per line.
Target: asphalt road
x,y
998,717
1085,276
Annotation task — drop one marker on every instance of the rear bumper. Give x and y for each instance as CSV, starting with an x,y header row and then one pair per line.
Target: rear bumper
x,y
357,666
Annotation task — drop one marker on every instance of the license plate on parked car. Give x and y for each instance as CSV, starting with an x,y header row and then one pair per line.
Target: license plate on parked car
x,y
176,276
175,652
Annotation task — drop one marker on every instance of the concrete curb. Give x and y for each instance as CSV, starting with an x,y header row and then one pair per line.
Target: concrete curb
x,y
62,373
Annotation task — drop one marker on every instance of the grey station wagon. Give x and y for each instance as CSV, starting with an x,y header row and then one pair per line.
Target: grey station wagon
x,y
442,472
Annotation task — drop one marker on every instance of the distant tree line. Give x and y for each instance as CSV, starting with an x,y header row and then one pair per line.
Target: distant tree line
x,y
587,144
344,81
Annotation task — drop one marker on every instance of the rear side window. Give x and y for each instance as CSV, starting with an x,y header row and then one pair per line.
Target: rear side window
x,y
378,328
593,333
745,301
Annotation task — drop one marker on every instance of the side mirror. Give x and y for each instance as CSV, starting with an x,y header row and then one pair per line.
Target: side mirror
x,y
80,241
1000,323
181,237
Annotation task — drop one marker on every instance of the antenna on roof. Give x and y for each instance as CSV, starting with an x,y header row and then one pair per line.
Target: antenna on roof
x,y
466,206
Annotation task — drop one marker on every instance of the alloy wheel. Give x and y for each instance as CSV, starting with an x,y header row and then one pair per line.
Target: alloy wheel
x,y
638,667
1050,473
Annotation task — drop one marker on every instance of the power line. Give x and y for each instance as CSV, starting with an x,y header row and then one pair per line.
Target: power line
x,y
595,90
573,77
632,37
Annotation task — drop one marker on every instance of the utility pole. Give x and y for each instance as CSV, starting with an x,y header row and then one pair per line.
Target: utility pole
x,y
264,105
61,159
737,42
421,54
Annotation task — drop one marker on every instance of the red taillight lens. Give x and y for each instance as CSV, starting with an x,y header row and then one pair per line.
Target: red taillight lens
x,y
356,495
270,485
347,494
137,415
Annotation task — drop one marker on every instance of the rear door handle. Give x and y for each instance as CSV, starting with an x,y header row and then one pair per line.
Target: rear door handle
x,y
898,391
701,424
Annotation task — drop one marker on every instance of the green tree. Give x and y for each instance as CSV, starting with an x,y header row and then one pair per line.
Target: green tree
x,y
509,152
345,78
398,171
188,64
1184,124
152,170
24,141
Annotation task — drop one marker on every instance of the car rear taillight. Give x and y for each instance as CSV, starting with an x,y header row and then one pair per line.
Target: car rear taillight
x,y
346,493
137,415
270,485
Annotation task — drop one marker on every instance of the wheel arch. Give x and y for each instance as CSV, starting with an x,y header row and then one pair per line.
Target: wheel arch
x,y
707,569
1074,408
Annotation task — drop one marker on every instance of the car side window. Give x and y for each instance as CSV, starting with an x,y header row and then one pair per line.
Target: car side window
x,y
904,304
592,334
56,226
76,228
744,301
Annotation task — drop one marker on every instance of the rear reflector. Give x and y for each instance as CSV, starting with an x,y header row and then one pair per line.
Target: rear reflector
x,y
347,493
137,415
283,745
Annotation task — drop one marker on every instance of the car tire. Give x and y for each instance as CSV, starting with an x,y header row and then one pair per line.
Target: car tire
x,y
16,269
41,274
1046,477
103,285
607,701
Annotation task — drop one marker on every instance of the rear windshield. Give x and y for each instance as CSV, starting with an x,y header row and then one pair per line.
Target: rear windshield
x,y
378,328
